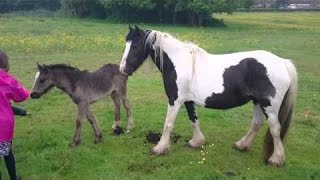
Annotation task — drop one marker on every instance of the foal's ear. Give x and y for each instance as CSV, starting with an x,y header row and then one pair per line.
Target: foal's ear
x,y
42,68
39,66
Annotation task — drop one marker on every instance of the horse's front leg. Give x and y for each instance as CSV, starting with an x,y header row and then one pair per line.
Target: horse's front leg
x,y
197,137
77,135
164,144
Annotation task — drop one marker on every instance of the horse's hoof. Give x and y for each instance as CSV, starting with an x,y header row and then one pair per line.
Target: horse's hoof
x,y
276,161
157,152
192,145
188,145
239,147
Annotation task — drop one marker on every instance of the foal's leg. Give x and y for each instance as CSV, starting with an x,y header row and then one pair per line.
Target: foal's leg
x,y
116,102
245,142
127,106
77,136
197,137
163,145
93,122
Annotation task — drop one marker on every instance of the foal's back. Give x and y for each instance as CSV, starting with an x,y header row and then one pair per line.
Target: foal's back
x,y
102,82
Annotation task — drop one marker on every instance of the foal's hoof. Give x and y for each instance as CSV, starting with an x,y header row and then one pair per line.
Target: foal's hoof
x,y
97,140
159,151
129,128
74,144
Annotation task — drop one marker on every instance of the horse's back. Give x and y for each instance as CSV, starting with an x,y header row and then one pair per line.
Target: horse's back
x,y
230,80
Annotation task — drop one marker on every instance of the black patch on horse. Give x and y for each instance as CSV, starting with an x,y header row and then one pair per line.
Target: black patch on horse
x,y
169,75
191,110
139,51
243,82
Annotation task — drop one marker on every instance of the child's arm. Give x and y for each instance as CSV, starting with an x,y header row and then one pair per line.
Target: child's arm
x,y
19,93
19,111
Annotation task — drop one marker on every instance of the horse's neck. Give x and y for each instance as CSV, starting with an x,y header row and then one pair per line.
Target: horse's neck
x,y
170,45
179,53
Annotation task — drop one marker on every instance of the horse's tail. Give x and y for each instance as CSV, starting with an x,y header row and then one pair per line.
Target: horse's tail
x,y
285,112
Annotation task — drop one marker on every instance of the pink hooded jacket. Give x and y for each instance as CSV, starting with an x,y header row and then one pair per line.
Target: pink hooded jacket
x,y
10,89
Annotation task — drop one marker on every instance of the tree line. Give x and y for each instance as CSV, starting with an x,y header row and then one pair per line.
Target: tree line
x,y
191,12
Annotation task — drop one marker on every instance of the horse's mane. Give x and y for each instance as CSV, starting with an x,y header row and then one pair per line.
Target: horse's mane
x,y
63,67
156,38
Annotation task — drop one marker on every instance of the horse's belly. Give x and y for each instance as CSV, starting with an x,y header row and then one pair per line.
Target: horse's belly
x,y
225,101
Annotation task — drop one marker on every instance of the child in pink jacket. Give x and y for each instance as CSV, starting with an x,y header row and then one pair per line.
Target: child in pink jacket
x,y
10,89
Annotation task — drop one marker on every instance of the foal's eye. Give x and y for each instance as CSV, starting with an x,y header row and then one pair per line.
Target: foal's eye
x,y
42,80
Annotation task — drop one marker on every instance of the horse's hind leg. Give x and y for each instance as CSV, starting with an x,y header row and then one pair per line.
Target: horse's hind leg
x,y
245,142
116,102
93,122
77,136
278,157
197,137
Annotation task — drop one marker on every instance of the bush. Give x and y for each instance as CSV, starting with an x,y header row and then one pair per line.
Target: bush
x,y
83,8
192,12
25,5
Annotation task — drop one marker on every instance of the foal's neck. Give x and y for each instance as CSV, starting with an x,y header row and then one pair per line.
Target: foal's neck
x,y
66,80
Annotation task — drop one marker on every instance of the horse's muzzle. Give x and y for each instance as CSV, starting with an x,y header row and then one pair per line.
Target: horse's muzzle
x,y
121,69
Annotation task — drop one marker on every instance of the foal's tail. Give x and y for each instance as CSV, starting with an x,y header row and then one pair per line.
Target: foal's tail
x,y
285,112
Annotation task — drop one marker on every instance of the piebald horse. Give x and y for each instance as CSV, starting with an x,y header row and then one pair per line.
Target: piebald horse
x,y
193,76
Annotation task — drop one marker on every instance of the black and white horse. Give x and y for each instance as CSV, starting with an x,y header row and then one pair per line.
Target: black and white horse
x,y
193,76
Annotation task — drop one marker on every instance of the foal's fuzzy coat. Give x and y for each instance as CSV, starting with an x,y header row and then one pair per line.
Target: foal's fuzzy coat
x,y
85,88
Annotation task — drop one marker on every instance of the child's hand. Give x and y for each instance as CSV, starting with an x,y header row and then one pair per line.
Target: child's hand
x,y
29,115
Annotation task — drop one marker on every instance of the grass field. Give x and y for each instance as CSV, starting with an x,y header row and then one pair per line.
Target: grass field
x,y
41,142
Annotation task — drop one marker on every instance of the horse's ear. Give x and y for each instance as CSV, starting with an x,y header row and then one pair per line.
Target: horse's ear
x,y
130,28
137,28
139,31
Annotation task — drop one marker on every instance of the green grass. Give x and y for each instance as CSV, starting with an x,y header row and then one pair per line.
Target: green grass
x,y
41,142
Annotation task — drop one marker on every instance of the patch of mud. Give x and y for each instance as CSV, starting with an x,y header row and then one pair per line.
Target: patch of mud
x,y
118,131
154,137
229,173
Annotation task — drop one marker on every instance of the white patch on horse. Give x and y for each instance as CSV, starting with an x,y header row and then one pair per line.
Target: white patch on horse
x,y
200,74
125,56
36,78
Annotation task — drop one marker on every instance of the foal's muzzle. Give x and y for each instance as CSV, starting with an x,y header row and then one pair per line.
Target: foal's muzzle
x,y
35,95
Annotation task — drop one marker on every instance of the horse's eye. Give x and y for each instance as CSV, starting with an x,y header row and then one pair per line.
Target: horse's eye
x,y
42,80
134,45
